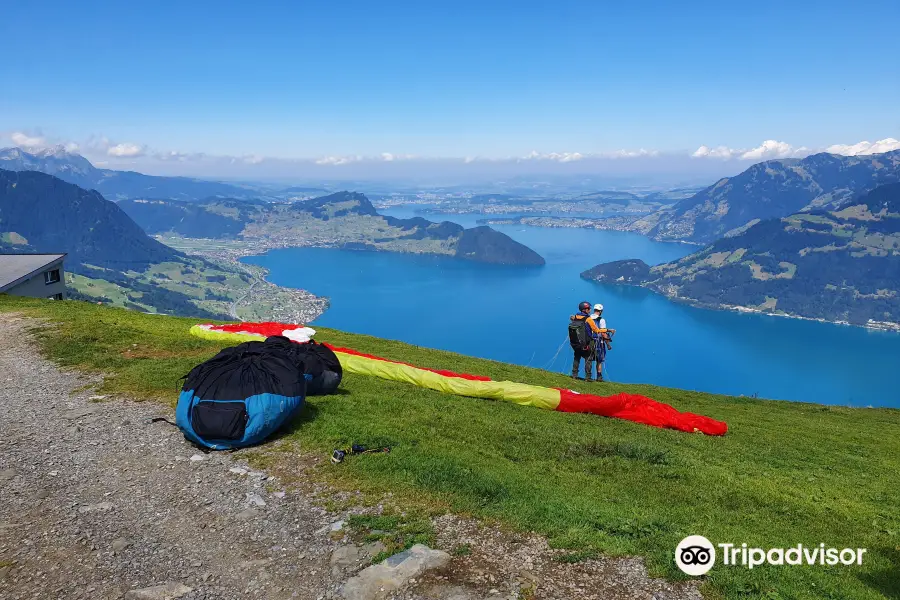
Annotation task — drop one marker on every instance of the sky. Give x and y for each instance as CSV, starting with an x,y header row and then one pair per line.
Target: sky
x,y
277,88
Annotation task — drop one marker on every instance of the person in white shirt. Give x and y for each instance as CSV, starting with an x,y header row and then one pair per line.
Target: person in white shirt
x,y
605,341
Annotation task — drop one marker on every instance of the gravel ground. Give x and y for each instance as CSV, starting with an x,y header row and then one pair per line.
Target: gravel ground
x,y
95,502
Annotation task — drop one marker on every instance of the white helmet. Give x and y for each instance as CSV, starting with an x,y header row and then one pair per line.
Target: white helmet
x,y
598,307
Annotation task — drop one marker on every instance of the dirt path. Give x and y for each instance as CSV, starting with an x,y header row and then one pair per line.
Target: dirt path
x,y
95,502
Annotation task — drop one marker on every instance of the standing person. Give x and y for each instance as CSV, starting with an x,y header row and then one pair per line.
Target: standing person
x,y
605,339
584,336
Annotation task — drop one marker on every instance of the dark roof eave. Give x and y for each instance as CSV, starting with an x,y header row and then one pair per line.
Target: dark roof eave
x,y
60,257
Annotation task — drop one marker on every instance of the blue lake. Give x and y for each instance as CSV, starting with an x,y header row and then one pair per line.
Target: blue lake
x,y
520,314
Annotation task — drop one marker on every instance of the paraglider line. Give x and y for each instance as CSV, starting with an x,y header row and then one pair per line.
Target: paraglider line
x,y
555,356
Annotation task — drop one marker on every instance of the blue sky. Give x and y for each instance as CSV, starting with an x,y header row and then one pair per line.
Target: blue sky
x,y
326,80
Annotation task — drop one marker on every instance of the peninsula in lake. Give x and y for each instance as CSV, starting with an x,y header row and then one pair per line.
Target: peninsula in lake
x,y
834,265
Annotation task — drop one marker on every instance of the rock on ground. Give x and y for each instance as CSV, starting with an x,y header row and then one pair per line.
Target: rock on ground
x,y
168,591
393,573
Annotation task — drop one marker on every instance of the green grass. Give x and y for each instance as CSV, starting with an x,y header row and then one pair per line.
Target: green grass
x,y
100,288
397,532
786,473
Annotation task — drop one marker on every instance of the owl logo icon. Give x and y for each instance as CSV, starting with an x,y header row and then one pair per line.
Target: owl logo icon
x,y
695,555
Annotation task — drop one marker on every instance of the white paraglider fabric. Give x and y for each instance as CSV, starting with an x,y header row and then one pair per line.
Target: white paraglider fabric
x,y
301,335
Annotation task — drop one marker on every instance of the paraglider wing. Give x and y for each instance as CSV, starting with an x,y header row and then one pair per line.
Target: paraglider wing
x,y
631,407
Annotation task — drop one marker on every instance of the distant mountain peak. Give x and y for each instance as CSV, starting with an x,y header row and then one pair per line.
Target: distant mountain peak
x,y
337,204
74,168
58,151
55,160
10,153
770,189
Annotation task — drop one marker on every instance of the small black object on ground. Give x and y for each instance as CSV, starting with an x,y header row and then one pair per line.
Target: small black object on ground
x,y
338,455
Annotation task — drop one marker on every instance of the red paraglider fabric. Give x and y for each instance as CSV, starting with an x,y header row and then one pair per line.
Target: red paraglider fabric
x,y
640,409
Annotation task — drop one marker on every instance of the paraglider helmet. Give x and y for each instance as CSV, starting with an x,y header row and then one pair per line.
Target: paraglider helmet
x,y
584,306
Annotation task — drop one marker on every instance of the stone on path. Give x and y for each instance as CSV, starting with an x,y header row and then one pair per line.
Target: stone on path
x,y
392,574
78,413
247,514
345,556
373,548
120,544
89,508
255,499
169,591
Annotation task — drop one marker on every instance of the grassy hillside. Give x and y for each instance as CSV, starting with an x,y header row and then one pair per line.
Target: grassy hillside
x,y
786,473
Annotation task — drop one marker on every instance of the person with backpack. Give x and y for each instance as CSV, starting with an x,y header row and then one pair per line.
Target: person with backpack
x,y
584,337
604,342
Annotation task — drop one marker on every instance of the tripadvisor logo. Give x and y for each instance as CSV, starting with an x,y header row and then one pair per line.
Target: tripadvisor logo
x,y
696,555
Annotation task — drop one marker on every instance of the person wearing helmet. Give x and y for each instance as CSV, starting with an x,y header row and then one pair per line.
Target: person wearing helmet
x,y
604,342
588,350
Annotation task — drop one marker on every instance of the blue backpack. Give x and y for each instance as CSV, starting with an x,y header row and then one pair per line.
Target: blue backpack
x,y
241,396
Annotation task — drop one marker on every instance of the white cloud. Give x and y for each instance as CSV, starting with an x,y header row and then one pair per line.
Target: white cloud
x,y
885,145
562,157
565,157
717,152
337,160
172,155
126,150
27,141
631,153
390,157
773,149
102,145
768,150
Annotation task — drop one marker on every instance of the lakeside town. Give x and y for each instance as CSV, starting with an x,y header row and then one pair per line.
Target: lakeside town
x,y
263,300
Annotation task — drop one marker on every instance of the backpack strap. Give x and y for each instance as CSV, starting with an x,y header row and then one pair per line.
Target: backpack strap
x,y
158,419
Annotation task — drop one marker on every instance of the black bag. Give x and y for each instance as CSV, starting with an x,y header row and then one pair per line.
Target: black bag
x,y
246,370
313,359
240,396
578,337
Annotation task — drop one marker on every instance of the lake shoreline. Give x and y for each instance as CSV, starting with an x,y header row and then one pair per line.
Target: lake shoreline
x,y
886,326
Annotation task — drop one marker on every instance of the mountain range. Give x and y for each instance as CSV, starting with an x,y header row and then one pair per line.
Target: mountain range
x,y
836,265
48,214
116,185
42,213
766,190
